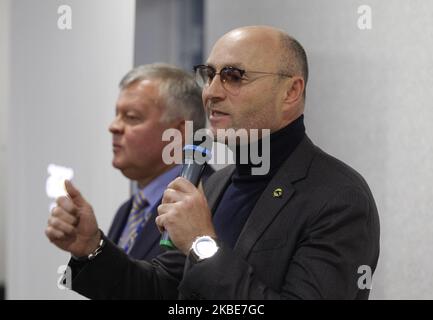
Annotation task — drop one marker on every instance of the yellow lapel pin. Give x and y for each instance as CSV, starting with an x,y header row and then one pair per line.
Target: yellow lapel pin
x,y
278,193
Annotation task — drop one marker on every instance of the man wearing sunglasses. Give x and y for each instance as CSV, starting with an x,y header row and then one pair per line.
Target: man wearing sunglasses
x,y
301,231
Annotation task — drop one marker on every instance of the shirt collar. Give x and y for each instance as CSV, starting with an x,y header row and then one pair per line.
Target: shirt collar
x,y
154,190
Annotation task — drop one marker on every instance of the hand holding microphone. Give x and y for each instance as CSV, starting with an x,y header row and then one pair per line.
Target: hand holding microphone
x,y
184,213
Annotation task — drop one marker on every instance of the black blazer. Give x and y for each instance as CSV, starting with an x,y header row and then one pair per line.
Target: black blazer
x,y
309,243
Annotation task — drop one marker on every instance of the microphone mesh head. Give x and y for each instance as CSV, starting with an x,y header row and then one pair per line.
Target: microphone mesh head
x,y
198,154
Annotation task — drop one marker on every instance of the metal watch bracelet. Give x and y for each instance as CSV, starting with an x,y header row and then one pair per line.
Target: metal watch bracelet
x,y
93,254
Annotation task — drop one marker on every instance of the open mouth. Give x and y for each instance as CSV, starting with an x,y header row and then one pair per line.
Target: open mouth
x,y
216,113
116,146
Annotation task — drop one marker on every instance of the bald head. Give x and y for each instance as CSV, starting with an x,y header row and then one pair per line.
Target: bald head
x,y
271,47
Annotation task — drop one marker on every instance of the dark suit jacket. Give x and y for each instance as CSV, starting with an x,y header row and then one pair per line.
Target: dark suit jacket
x,y
306,244
146,246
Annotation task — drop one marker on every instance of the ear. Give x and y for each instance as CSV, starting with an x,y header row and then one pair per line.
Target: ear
x,y
294,92
293,104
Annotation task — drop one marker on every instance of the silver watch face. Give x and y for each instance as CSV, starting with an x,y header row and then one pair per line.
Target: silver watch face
x,y
205,247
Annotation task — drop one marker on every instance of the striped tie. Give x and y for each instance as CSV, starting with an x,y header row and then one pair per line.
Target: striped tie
x,y
136,220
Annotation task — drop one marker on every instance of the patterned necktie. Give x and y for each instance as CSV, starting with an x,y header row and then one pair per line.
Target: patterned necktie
x,y
136,220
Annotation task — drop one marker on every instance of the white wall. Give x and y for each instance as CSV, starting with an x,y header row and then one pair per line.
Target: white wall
x,y
4,76
63,92
370,104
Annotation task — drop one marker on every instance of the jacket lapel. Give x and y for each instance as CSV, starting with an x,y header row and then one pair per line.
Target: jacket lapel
x,y
147,238
216,185
271,201
119,221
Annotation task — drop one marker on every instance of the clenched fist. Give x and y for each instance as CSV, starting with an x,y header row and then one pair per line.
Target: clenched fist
x,y
72,225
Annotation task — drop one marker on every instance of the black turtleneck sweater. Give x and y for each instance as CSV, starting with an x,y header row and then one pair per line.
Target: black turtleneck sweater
x,y
245,189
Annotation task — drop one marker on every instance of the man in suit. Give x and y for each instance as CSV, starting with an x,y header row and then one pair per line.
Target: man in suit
x,y
152,99
301,231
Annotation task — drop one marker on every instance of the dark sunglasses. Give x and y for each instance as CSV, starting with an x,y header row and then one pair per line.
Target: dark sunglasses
x,y
230,77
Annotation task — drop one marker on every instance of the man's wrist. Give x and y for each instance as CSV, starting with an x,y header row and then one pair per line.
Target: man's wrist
x,y
94,250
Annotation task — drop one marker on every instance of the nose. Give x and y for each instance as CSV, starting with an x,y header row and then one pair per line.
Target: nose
x,y
116,126
214,91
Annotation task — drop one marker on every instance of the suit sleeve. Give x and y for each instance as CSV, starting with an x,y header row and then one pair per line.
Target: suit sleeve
x,y
336,241
114,275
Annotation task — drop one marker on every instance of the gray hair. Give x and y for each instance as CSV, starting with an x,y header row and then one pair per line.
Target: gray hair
x,y
178,89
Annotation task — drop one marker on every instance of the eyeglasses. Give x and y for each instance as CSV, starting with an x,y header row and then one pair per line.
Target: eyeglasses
x,y
231,78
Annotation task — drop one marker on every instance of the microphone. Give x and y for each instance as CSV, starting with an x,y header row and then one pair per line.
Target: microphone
x,y
195,158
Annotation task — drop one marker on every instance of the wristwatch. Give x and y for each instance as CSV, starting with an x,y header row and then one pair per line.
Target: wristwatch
x,y
203,247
